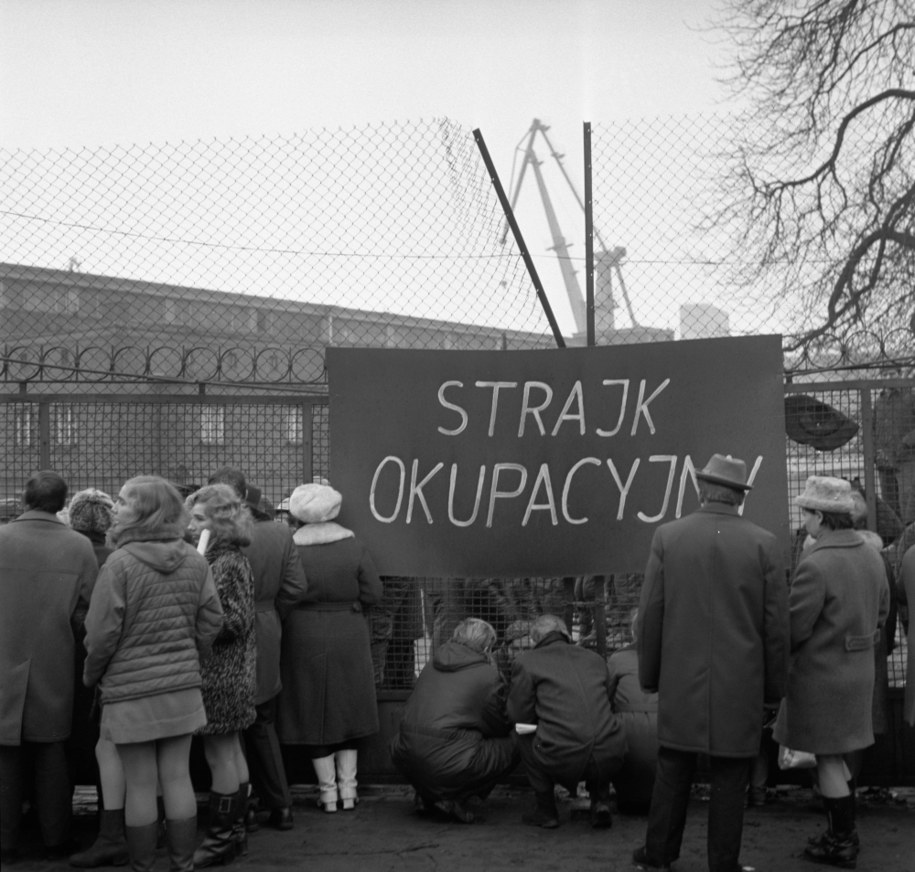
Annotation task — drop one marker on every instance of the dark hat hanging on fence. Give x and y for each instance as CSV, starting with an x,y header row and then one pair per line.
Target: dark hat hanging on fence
x,y
811,422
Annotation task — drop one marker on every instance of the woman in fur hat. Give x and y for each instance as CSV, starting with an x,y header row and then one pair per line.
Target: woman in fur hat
x,y
839,600
328,699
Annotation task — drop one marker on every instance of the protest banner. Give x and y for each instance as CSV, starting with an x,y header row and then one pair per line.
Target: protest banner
x,y
547,462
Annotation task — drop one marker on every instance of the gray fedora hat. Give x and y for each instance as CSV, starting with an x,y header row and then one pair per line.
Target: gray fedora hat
x,y
726,470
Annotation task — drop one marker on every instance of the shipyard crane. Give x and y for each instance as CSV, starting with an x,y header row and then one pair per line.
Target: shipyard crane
x,y
607,261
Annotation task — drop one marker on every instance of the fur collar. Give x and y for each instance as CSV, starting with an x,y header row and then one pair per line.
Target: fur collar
x,y
321,534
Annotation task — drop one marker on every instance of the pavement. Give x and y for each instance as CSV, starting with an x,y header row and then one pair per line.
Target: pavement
x,y
384,833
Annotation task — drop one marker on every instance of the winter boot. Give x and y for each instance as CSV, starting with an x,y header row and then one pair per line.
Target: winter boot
x,y
839,845
110,845
141,845
346,777
218,845
181,837
544,813
327,782
239,830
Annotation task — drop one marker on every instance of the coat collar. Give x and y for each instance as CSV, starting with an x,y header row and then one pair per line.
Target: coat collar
x,y
719,509
38,515
837,539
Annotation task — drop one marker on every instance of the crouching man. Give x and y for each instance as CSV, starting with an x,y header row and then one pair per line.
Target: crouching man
x,y
455,742
563,693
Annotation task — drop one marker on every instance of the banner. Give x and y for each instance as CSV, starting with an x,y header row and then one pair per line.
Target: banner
x,y
550,462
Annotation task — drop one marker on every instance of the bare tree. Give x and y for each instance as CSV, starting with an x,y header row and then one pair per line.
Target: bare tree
x,y
823,177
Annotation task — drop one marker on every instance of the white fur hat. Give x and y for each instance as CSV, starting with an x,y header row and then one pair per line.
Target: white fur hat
x,y
826,493
313,503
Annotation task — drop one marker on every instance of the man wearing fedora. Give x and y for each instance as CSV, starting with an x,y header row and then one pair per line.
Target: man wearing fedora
x,y
712,638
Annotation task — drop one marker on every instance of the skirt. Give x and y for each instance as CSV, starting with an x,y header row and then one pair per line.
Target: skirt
x,y
176,713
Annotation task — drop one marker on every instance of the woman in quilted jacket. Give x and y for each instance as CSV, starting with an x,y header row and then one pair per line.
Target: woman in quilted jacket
x,y
153,615
229,675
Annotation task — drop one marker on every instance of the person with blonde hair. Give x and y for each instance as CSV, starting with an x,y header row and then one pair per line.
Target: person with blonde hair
x,y
154,614
217,511
455,741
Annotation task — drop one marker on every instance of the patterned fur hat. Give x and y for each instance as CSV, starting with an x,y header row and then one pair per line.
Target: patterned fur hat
x,y
314,503
91,511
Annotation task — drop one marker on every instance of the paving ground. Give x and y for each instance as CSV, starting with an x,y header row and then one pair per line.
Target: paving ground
x,y
384,833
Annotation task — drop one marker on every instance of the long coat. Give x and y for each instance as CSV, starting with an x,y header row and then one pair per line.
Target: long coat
x,y
565,691
839,600
454,737
47,572
906,592
228,673
713,630
328,694
279,583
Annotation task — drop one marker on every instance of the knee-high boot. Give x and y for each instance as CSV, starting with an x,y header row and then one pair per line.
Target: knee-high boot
x,y
347,761
839,845
181,837
110,845
327,782
218,846
141,845
239,830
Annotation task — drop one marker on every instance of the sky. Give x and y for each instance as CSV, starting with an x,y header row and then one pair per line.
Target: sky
x,y
88,73
79,73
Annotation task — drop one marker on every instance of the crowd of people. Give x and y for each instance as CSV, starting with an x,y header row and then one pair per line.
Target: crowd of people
x,y
192,612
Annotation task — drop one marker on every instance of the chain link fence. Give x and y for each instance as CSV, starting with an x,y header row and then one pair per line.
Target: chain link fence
x,y
166,307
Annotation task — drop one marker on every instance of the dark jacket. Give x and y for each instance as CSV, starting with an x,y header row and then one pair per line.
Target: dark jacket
x,y
154,608
565,691
839,600
454,731
713,631
279,583
47,572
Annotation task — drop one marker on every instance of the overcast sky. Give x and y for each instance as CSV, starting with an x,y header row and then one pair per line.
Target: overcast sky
x,y
77,73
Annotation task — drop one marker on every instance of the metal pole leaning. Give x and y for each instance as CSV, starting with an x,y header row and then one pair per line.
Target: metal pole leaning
x,y
519,239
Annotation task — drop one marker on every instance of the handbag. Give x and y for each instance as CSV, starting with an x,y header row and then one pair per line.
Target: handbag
x,y
788,758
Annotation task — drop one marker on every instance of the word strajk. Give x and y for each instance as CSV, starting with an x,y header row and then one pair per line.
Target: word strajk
x,y
538,489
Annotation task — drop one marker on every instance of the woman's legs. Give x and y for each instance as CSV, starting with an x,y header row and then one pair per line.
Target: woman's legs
x,y
221,752
173,756
138,760
833,776
111,774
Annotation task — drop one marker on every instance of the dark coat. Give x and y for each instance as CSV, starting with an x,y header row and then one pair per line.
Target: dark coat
x,y
565,691
906,591
454,736
713,631
47,572
839,599
328,694
279,583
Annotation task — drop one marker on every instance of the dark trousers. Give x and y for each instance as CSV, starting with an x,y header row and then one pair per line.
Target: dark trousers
x,y
670,799
596,773
265,759
46,764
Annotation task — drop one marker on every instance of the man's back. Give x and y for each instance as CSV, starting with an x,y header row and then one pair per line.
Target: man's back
x,y
712,630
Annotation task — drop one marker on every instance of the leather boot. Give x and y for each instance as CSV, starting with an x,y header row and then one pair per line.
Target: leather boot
x,y
141,845
218,846
544,813
181,837
239,830
839,845
110,845
327,782
347,760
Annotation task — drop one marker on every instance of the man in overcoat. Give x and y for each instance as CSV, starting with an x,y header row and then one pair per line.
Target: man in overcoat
x,y
563,692
279,583
712,637
47,572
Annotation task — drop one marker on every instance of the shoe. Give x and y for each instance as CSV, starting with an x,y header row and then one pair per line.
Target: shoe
x,y
601,818
63,850
840,850
642,862
757,797
252,824
544,813
461,812
281,818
